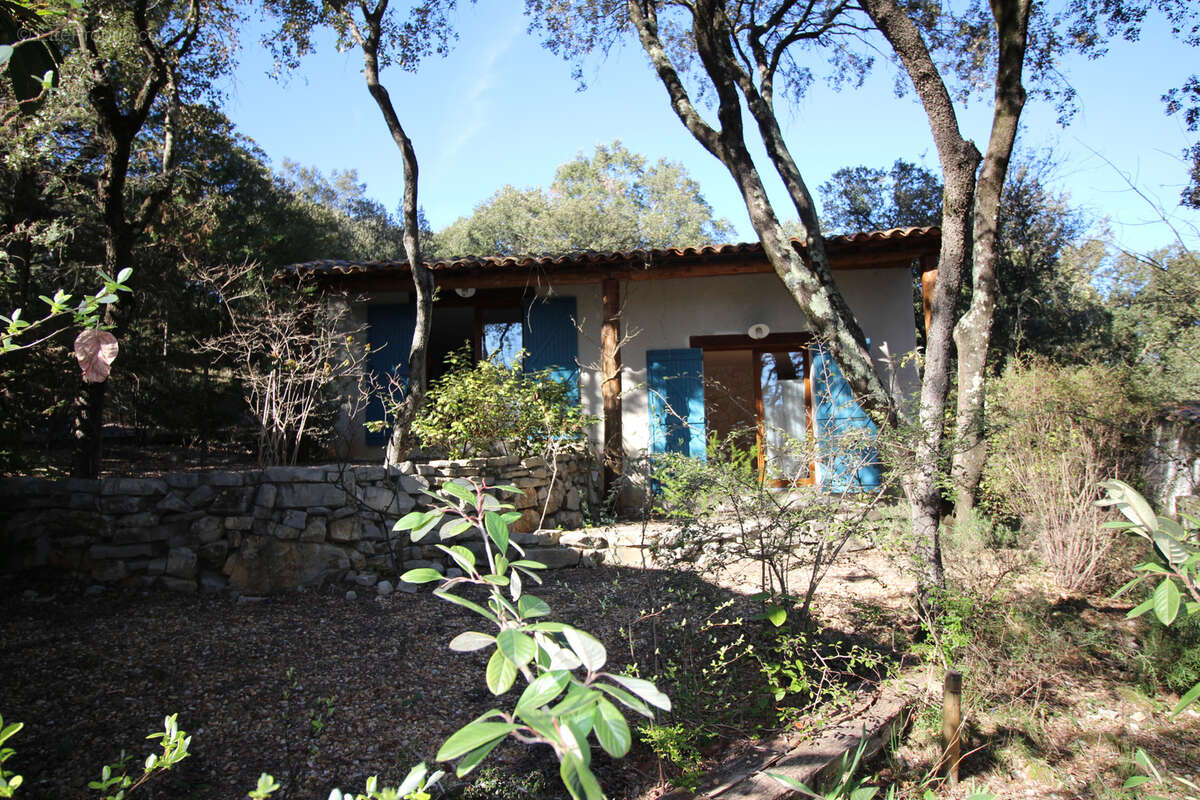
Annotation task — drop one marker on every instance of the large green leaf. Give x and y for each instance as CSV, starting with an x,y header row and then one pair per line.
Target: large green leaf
x,y
544,688
626,698
500,673
473,735
645,690
465,603
611,729
460,490
578,779
455,527
1166,601
589,649
422,575
531,607
497,530
472,759
1130,503
415,519
1189,697
516,646
461,556
1169,538
470,641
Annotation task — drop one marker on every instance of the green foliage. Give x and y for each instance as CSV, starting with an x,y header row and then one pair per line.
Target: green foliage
x,y
611,201
729,507
1155,302
415,786
846,786
863,198
1171,654
1175,562
806,673
116,776
492,784
1053,434
677,745
950,632
320,715
558,706
267,785
85,314
9,782
488,407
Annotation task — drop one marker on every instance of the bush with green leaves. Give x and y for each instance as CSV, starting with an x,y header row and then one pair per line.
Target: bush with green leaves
x,y
490,408
1175,565
1174,562
567,695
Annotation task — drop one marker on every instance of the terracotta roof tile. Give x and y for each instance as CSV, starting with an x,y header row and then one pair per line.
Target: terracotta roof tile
x,y
595,257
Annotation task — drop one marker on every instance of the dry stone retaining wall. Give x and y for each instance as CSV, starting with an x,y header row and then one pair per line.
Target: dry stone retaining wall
x,y
273,529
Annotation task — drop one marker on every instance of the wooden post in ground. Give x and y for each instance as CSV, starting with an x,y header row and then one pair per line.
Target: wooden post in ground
x,y
952,724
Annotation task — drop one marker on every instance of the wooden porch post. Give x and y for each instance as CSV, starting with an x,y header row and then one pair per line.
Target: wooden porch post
x,y
928,281
610,367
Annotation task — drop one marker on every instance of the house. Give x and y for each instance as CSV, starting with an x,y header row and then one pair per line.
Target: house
x,y
664,346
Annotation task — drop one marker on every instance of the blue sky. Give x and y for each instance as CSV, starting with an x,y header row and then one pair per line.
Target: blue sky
x,y
501,110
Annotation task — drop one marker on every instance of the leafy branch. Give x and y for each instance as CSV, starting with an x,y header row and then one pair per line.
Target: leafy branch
x,y
85,314
567,695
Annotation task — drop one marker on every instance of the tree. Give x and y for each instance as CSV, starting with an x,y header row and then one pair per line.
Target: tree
x,y
383,40
134,56
611,201
1046,303
738,51
867,199
1155,302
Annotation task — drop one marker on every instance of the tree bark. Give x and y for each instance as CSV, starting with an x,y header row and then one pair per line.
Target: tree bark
x,y
117,129
414,396
959,159
810,283
972,334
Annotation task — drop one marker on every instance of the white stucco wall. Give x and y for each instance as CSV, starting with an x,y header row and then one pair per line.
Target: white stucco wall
x,y
667,313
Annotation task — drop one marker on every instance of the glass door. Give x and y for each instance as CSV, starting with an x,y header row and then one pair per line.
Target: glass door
x,y
785,418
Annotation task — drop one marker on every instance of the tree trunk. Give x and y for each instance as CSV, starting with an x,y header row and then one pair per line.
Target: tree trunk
x,y
959,159
810,284
972,335
117,128
414,396
118,253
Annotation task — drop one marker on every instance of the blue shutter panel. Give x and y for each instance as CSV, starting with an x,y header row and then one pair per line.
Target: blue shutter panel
x,y
676,385
551,340
850,465
389,333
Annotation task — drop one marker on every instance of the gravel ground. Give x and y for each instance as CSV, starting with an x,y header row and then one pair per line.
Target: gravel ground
x,y
317,689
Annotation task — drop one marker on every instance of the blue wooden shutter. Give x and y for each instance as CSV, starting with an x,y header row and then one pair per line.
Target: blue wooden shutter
x,y
389,333
551,340
676,383
850,465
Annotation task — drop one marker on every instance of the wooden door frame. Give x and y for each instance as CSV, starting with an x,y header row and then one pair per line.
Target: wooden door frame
x,y
800,341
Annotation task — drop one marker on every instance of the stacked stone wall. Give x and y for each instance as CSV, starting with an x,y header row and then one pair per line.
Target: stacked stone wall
x,y
268,530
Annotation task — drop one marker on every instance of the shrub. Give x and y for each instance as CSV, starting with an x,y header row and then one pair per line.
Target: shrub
x,y
487,408
726,511
1055,433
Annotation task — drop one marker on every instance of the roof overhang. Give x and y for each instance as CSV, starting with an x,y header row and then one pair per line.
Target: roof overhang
x,y
896,248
